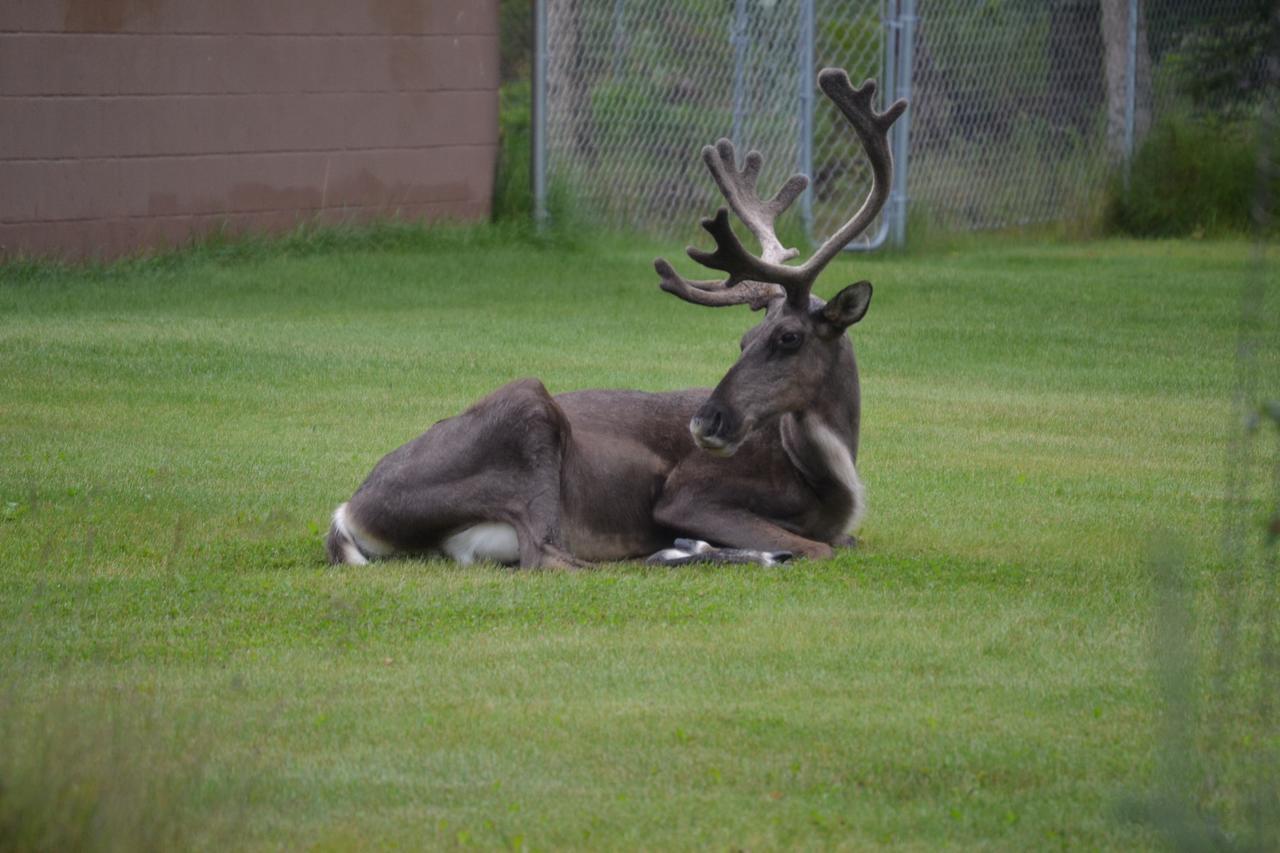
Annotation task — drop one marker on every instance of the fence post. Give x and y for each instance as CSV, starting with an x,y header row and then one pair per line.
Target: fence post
x,y
807,82
906,57
539,117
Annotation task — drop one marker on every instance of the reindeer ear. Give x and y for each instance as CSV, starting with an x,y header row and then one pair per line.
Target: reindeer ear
x,y
848,306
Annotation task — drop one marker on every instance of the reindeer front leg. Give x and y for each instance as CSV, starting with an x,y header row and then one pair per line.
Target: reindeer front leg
x,y
734,527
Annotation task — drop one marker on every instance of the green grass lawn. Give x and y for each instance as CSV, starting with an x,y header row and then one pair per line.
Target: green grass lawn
x,y
179,667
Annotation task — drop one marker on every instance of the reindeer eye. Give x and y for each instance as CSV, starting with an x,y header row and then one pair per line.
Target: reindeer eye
x,y
789,340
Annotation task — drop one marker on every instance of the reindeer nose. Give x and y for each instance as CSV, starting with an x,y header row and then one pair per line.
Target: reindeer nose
x,y
711,425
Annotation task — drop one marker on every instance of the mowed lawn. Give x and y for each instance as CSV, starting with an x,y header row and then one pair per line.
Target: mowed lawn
x,y
178,667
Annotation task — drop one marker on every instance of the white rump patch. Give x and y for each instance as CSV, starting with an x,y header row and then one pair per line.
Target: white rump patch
x,y
840,463
350,553
494,541
357,542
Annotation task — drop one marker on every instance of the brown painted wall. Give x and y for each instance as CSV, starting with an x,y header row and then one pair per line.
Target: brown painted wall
x,y
139,123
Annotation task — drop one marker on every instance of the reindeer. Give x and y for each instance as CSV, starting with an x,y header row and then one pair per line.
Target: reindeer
x,y
760,469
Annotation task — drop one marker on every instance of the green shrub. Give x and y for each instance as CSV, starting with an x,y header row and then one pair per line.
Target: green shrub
x,y
515,39
1193,175
513,179
512,188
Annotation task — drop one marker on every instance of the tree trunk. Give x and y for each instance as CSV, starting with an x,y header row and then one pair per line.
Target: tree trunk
x,y
1075,78
1115,45
567,82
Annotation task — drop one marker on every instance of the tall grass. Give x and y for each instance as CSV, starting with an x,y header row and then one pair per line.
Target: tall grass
x,y
512,186
101,769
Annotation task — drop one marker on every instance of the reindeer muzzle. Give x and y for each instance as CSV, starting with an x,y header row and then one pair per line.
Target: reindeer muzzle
x,y
716,429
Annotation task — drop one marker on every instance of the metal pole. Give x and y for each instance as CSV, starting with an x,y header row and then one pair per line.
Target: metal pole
x,y
539,117
906,57
807,81
739,69
1130,87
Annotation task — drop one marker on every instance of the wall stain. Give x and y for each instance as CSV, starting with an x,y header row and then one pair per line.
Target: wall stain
x,y
400,17
104,16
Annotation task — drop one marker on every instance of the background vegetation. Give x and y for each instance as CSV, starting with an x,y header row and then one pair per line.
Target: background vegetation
x,y
1009,118
1197,170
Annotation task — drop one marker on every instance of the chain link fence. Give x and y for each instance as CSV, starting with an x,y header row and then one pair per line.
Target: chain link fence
x,y
1021,112
635,89
1008,118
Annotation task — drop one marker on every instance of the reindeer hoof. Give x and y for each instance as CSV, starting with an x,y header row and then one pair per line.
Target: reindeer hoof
x,y
692,546
847,541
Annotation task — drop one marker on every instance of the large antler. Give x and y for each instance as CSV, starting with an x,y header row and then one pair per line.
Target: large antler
x,y
739,188
757,280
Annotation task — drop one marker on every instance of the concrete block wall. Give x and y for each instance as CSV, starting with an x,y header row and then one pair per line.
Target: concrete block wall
x,y
133,124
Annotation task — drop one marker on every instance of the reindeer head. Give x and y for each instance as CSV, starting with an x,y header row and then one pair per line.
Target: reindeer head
x,y
800,346
788,360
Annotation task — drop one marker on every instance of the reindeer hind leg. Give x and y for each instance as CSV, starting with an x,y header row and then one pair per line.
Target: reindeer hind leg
x,y
484,485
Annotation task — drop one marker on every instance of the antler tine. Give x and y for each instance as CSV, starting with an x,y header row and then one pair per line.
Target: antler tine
x,y
732,257
767,276
738,186
873,131
715,293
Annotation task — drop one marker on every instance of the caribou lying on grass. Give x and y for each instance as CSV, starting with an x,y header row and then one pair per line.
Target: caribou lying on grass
x,y
763,466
